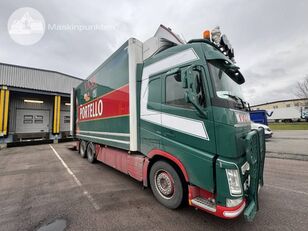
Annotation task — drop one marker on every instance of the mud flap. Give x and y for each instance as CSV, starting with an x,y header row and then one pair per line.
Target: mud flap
x,y
262,153
255,153
250,211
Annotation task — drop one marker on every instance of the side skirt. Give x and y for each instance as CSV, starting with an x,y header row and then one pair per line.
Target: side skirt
x,y
130,164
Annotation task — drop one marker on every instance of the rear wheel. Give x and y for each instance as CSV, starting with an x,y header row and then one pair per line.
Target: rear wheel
x,y
166,185
83,149
91,152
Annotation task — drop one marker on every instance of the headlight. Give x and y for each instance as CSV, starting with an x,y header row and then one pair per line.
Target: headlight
x,y
233,202
234,181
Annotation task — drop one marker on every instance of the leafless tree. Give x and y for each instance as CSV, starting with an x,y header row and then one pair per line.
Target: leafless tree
x,y
301,89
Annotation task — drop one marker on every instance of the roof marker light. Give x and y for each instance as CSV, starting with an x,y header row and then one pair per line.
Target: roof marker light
x,y
207,34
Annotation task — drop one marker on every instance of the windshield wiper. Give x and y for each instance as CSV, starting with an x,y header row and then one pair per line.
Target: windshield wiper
x,y
237,99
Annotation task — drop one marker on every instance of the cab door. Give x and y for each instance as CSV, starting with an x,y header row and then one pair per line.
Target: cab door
x,y
150,113
187,130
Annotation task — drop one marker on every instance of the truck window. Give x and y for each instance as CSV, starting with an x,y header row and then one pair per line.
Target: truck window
x,y
154,90
175,92
224,84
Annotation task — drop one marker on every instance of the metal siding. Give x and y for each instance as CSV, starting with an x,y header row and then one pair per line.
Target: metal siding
x,y
16,76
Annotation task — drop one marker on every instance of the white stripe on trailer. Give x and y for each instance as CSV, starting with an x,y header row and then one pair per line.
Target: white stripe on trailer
x,y
105,133
72,118
105,139
134,57
177,123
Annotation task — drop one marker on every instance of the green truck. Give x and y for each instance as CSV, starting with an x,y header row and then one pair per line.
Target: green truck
x,y
170,114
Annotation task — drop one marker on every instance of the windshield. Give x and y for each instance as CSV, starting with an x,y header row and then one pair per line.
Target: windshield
x,y
225,86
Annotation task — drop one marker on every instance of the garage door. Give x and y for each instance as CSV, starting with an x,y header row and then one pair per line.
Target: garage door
x,y
65,121
28,121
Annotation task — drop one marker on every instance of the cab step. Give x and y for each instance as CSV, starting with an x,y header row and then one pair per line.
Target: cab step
x,y
204,204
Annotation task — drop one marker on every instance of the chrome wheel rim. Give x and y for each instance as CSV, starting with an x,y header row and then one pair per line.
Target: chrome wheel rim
x,y
164,184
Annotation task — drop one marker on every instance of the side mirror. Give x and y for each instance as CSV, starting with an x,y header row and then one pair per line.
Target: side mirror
x,y
197,82
186,75
192,80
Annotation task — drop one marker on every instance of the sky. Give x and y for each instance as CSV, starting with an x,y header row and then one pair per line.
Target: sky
x,y
270,38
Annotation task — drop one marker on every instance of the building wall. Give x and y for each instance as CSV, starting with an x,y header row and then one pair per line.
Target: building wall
x,y
282,104
31,120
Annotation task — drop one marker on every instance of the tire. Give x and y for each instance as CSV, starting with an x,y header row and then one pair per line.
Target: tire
x,y
91,152
83,149
166,185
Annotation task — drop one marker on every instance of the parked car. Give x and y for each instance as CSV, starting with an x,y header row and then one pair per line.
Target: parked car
x,y
268,132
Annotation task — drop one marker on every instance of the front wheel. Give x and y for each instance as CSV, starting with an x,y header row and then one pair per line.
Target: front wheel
x,y
166,185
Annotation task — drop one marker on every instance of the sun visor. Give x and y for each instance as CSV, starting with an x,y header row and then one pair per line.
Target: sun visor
x,y
213,53
162,40
167,34
229,68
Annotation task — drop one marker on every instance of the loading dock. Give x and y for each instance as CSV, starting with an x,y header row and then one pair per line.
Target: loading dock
x,y
34,104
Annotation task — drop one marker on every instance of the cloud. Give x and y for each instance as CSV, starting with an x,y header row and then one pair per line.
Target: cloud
x,y
274,76
269,37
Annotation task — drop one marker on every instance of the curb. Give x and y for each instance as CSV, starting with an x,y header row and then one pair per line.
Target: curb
x,y
289,138
2,146
302,157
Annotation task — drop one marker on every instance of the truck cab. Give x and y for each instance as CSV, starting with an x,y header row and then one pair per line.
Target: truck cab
x,y
192,108
171,114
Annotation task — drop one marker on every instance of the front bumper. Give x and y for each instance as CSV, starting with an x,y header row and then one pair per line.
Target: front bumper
x,y
221,211
201,199
255,155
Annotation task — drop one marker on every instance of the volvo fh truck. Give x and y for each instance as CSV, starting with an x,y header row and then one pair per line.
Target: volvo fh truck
x,y
171,114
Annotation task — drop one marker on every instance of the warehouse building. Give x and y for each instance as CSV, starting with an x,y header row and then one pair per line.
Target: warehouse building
x,y
282,104
34,104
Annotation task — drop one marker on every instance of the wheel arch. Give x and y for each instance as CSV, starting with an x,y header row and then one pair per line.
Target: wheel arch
x,y
156,155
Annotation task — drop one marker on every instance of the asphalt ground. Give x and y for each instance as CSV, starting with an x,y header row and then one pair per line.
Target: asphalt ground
x,y
288,144
38,186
